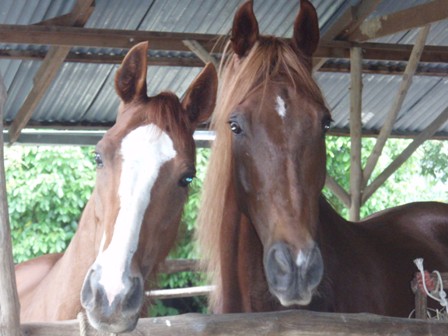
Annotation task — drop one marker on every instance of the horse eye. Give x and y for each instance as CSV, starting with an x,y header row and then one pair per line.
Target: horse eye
x,y
326,123
234,127
98,160
186,180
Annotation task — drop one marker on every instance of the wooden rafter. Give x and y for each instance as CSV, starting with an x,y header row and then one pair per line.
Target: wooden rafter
x,y
406,82
48,70
422,137
410,18
200,52
102,38
125,39
347,22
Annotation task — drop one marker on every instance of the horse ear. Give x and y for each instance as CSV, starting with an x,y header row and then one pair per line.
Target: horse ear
x,y
244,30
200,99
306,29
130,80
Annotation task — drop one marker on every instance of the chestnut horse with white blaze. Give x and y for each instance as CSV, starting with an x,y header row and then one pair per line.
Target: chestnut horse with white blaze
x,y
272,240
144,165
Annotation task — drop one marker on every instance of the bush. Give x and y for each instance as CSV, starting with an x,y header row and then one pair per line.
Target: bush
x,y
47,190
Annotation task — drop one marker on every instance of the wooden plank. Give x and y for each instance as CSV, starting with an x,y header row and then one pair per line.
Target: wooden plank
x,y
102,38
406,82
359,14
355,134
410,18
9,302
47,71
286,323
422,137
76,57
200,52
125,39
171,266
380,68
381,51
347,22
42,81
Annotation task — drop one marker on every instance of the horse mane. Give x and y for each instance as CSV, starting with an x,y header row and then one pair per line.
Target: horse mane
x,y
269,59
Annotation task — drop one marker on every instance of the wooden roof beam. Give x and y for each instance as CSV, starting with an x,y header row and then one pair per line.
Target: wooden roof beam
x,y
47,71
410,18
125,39
200,52
397,104
347,22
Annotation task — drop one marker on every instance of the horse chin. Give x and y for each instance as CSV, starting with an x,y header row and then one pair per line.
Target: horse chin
x,y
304,300
125,325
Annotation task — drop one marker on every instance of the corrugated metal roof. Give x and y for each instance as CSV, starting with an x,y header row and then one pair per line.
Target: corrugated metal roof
x,y
84,94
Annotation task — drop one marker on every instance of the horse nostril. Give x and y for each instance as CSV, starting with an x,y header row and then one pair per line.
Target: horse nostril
x,y
134,298
282,261
87,297
279,267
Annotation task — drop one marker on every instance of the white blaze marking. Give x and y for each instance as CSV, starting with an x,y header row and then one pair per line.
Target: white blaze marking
x,y
144,151
301,259
280,106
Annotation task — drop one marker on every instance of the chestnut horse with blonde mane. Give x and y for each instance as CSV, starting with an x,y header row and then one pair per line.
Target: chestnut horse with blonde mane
x,y
272,240
144,165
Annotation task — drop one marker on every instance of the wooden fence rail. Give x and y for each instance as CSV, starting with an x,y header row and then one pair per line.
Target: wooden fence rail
x,y
171,266
286,323
176,293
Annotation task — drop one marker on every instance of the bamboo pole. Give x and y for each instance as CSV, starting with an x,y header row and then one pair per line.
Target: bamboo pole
x,y
9,301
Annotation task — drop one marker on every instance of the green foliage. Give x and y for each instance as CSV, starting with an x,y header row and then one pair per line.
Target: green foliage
x,y
436,160
47,190
420,178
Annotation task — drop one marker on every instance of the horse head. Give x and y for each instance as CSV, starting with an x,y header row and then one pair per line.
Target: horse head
x,y
144,165
275,117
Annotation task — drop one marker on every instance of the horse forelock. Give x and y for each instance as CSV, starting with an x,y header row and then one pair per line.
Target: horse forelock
x,y
270,59
166,111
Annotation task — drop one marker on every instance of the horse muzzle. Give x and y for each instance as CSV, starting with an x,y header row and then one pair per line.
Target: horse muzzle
x,y
293,280
115,314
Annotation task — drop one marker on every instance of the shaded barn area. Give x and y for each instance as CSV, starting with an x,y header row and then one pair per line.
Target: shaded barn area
x,y
382,66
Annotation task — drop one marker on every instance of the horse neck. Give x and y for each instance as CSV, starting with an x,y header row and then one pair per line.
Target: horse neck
x,y
331,227
67,275
55,296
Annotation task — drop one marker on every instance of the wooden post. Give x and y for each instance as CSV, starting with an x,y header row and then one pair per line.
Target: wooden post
x,y
9,301
355,132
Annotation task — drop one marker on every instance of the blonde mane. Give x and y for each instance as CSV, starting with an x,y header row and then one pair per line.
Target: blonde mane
x,y
270,57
